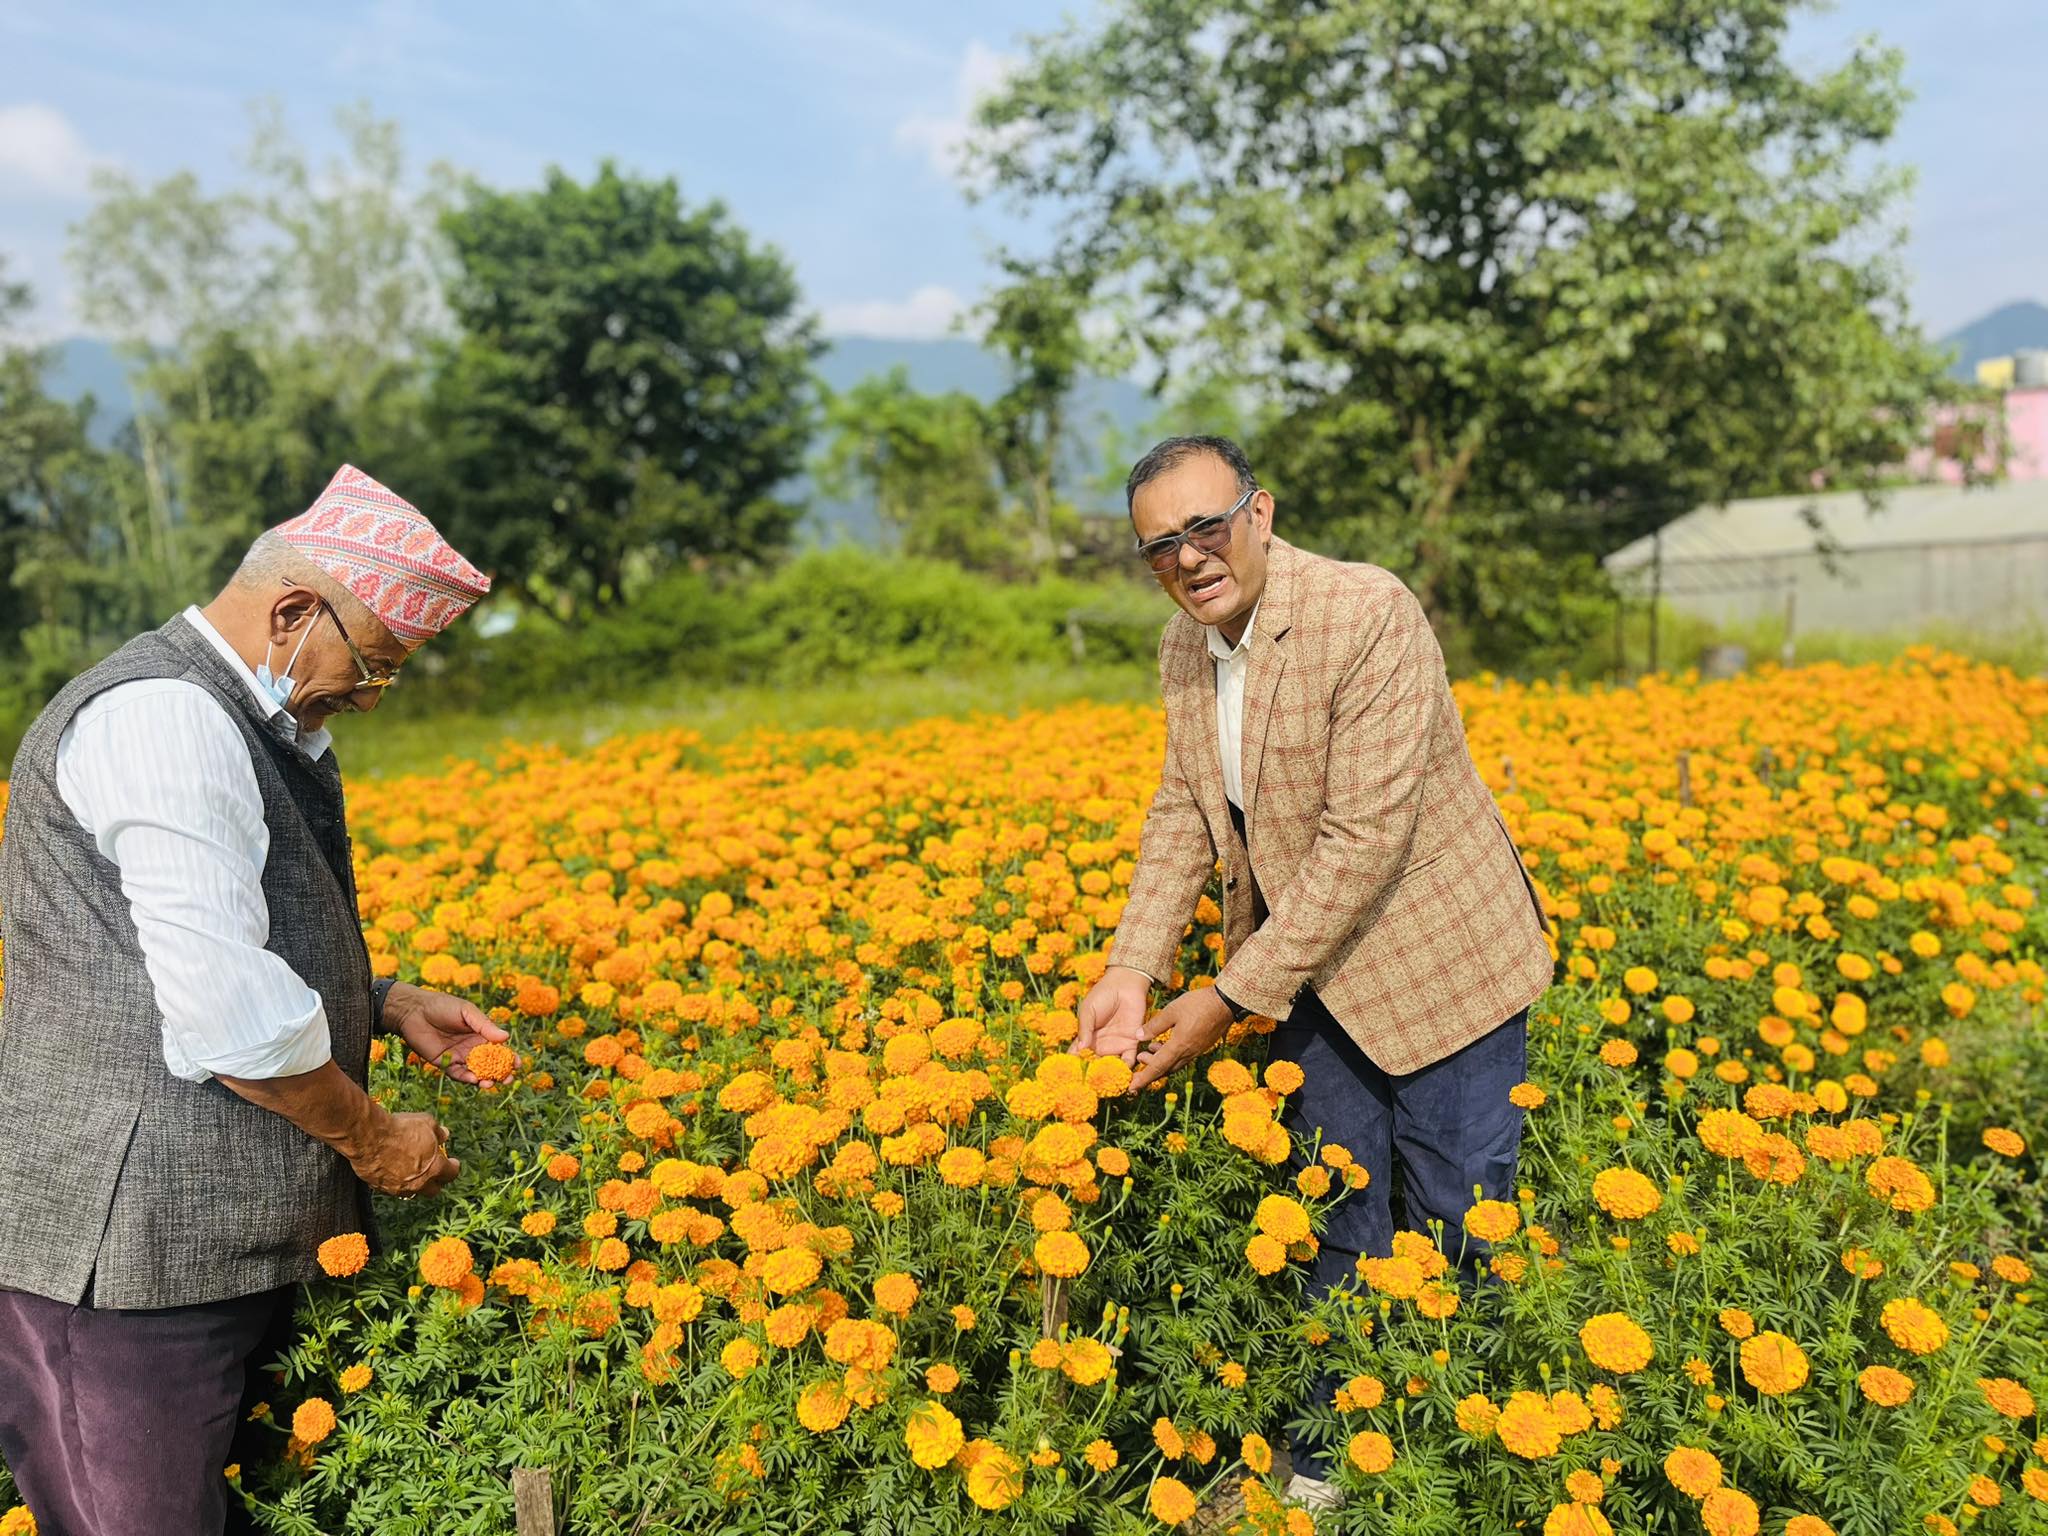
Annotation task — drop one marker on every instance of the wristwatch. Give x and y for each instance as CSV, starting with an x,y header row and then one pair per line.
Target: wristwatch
x,y
1238,1012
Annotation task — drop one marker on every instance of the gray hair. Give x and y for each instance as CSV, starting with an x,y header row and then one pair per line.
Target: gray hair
x,y
1176,451
271,561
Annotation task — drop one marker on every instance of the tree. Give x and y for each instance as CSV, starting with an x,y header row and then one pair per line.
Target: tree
x,y
1516,282
632,383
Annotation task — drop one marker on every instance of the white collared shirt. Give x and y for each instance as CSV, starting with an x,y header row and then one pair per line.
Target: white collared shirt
x,y
159,775
1232,662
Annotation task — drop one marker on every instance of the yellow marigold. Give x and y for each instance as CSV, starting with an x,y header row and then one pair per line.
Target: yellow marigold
x,y
1684,1244
962,1167
933,1435
1773,1364
2006,1396
1167,1436
1583,1487
313,1420
1256,1454
1171,1501
1884,1386
1808,1525
1285,1077
1639,979
1678,1009
1616,1342
1728,1132
355,1378
1282,1219
1900,1184
1913,1325
1984,1493
563,1167
1265,1255
492,1062
1735,1322
1625,1194
1527,1096
995,1478
1046,1354
1229,1077
1061,1254
739,1357
1493,1221
789,1270
1086,1362
1576,1519
19,1522
896,1292
537,1223
2004,1142
823,1406
1729,1512
1476,1415
1528,1427
2011,1270
857,1342
1370,1451
1100,1455
445,1262
1618,1053
2034,1480
1692,1471
345,1255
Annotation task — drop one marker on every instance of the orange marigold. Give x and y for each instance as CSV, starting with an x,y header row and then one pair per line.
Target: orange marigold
x,y
1493,1221
1624,1193
2007,1396
1773,1364
1900,1184
1913,1325
1884,1386
313,1420
933,1435
1614,1341
345,1255
1528,1427
1061,1254
1730,1512
1171,1501
1692,1471
446,1262
492,1062
1370,1451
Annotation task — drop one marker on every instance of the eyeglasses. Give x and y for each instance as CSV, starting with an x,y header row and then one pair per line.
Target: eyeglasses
x,y
1207,534
370,679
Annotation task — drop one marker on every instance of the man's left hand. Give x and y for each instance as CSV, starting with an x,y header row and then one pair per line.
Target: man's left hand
x,y
1187,1026
439,1028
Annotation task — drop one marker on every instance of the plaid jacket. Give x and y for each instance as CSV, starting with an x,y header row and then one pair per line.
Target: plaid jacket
x,y
1394,888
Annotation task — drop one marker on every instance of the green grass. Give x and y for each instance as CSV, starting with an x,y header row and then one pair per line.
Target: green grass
x,y
375,747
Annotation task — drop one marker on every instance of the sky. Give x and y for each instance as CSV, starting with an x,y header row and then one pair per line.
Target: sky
x,y
826,126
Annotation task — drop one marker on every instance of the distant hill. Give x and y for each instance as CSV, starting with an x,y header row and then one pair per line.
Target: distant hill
x,y
1999,334
86,365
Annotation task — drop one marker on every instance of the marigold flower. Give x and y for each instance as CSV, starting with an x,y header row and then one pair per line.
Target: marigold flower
x,y
1808,1525
492,1062
1730,1512
1692,1471
1061,1254
1100,1455
1171,1501
1267,1256
1528,1427
313,1420
932,1434
345,1255
2006,1396
1884,1386
1735,1322
445,1262
1616,1342
896,1292
1282,1219
1576,1519
1476,1415
354,1378
995,1478
823,1406
1773,1364
1913,1325
1256,1453
1370,1451
1167,1436
1625,1194
1728,1132
1493,1221
1285,1077
1527,1096
1900,1184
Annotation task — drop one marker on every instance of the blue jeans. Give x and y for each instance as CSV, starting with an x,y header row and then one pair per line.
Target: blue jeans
x,y
1446,1129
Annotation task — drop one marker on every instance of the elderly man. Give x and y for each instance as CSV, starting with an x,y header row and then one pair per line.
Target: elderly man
x,y
185,1035
1373,902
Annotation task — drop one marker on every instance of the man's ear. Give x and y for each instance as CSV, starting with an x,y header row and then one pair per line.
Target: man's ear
x,y
294,608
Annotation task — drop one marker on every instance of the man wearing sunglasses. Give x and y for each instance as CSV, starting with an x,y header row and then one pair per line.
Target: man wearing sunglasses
x,y
184,1040
1373,903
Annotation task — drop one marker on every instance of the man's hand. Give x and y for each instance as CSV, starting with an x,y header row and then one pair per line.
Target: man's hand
x,y
402,1155
1112,1015
439,1026
1191,1023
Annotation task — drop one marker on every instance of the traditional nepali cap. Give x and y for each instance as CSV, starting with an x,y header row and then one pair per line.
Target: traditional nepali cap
x,y
382,548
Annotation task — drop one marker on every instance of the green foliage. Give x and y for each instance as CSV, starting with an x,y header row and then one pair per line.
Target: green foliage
x,y
1519,281
631,385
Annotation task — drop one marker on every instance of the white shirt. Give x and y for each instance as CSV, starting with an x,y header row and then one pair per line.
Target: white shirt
x,y
159,775
1232,662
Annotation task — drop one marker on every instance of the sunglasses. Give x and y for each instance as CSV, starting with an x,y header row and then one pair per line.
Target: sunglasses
x,y
1207,534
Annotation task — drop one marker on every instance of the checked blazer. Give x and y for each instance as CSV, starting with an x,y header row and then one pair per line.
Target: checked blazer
x,y
1394,890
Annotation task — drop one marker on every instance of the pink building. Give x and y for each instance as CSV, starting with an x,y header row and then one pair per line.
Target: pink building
x,y
2026,435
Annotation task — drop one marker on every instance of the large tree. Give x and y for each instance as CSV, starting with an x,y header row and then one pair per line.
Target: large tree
x,y
631,387
1513,282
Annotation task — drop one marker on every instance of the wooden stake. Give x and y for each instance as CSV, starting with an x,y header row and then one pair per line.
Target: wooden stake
x,y
1685,778
533,1501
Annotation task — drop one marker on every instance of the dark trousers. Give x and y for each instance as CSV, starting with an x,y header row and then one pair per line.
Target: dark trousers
x,y
1428,1138
118,1423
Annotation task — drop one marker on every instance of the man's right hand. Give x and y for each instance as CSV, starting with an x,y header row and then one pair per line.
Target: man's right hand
x,y
404,1155
1112,1015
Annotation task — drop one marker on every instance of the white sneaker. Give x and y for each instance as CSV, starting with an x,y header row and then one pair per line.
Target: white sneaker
x,y
1314,1493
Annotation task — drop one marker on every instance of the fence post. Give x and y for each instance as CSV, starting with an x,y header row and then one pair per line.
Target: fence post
x,y
1685,778
1508,767
533,1501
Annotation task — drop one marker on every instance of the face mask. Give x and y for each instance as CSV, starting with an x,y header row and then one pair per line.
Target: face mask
x,y
280,688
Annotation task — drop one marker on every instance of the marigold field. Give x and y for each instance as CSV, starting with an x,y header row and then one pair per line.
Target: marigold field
x,y
792,1213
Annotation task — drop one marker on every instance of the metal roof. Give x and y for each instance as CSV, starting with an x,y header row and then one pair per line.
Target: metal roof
x,y
1908,516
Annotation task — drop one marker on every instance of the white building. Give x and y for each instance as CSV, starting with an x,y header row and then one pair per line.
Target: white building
x,y
1929,554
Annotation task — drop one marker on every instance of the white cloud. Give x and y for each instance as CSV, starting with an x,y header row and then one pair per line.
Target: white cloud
x,y
929,312
940,138
41,152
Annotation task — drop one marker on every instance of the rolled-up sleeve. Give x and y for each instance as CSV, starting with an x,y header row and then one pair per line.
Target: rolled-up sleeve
x,y
160,777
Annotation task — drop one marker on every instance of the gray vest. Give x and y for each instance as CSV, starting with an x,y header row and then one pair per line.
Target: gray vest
x,y
115,1176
